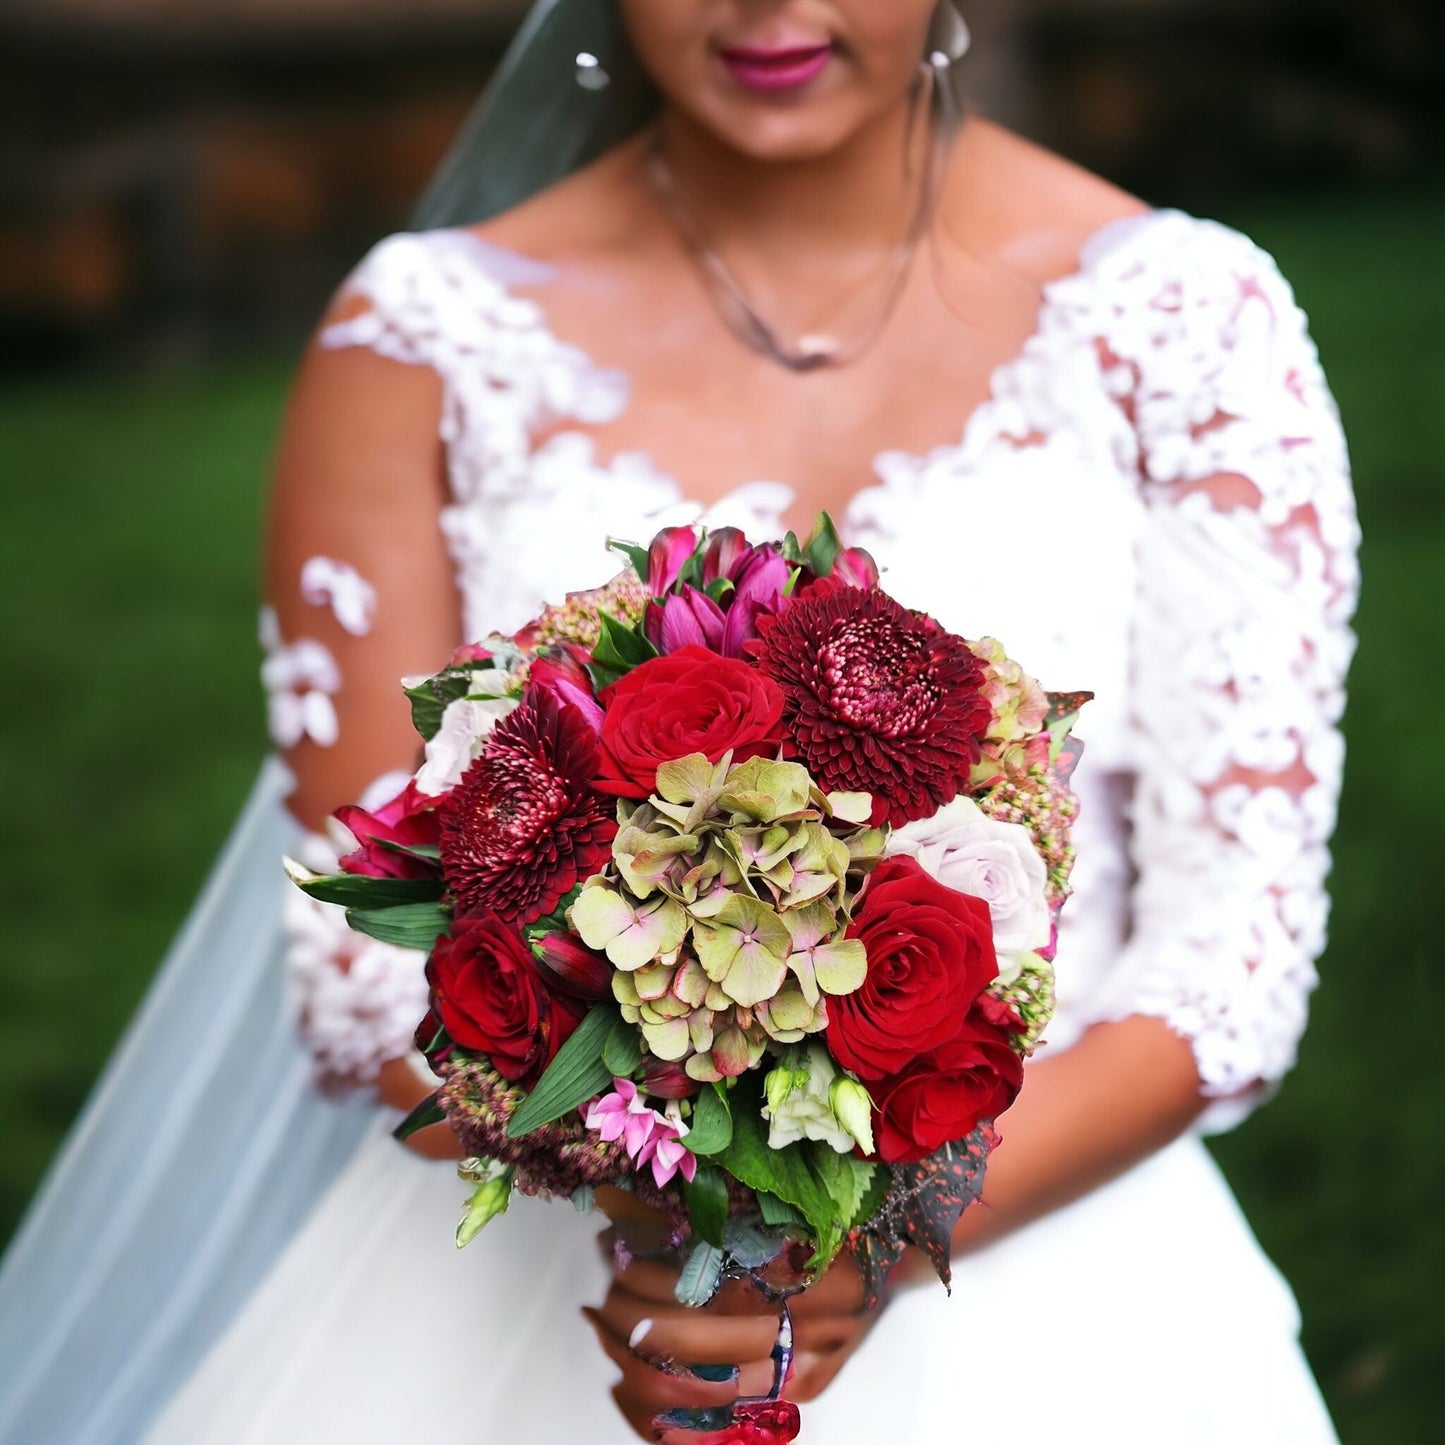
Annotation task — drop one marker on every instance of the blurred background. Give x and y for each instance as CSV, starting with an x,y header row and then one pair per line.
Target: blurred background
x,y
182,185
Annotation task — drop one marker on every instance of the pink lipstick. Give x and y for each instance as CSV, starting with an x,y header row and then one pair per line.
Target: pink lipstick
x,y
756,68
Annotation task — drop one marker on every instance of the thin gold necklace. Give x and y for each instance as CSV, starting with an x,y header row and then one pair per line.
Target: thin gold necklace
x,y
813,350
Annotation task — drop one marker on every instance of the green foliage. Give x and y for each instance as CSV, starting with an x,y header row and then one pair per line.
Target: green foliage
x,y
427,1113
408,925
701,1275
622,1053
352,890
618,651
636,555
711,1126
707,1202
574,1076
429,699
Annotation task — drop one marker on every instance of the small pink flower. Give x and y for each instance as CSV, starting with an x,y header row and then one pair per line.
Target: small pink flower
x,y
668,1155
648,1137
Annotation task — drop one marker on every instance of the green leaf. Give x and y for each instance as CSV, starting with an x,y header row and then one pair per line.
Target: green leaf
x,y
622,1053
573,1077
875,1194
409,925
621,647
634,554
845,1178
830,1241
711,1126
750,1246
823,547
775,1213
429,699
427,1113
353,890
428,852
785,1172
700,1276
707,1202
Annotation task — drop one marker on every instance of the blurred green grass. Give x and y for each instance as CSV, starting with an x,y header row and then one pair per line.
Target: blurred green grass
x,y
132,729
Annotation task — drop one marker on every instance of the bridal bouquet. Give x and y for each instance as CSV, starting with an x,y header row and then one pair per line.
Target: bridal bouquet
x,y
740,883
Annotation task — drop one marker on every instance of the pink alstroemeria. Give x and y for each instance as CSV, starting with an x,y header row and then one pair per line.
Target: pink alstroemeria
x,y
469,654
648,1137
563,675
855,567
688,618
667,556
760,581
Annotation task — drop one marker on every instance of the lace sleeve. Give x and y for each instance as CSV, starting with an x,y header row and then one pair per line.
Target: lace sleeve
x,y
357,1001
359,595
1247,583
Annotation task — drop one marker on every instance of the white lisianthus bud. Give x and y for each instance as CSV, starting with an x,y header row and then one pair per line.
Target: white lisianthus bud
x,y
777,1086
805,1110
491,1198
853,1109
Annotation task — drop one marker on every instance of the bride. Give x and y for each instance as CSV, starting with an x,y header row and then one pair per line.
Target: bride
x,y
745,262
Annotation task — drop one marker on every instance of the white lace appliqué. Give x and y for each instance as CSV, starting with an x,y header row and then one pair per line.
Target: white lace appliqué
x,y
1168,437
1247,581
300,679
326,582
357,1001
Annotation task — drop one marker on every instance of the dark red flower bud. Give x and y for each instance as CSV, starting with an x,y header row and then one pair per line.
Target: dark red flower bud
x,y
663,1080
570,967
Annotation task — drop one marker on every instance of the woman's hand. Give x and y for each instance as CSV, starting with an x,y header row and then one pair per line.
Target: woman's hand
x,y
401,1087
654,1340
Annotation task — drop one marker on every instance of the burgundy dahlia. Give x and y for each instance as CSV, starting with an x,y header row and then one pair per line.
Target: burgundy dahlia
x,y
524,826
880,700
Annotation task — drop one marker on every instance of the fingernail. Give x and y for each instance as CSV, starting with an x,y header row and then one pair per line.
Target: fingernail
x,y
640,1332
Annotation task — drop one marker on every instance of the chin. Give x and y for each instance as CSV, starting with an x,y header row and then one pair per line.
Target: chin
x,y
770,133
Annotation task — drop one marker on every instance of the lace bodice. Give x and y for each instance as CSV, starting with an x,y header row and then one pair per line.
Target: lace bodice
x,y
1165,449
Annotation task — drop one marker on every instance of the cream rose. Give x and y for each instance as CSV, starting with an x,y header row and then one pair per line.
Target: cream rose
x,y
966,850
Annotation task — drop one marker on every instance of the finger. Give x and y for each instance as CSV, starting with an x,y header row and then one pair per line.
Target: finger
x,y
655,1281
815,1374
829,1332
698,1336
635,1414
840,1291
750,1377
662,1388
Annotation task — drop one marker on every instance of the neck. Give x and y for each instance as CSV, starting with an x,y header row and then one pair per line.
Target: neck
x,y
836,211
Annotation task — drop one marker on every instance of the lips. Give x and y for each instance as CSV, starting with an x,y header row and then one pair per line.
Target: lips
x,y
789,68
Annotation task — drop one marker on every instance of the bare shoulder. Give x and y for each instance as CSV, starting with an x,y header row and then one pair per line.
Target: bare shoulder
x,y
1032,209
596,211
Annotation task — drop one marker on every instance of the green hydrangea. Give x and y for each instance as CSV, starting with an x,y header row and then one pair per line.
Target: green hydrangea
x,y
725,907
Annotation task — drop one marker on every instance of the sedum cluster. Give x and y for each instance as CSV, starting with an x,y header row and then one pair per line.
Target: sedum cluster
x,y
1039,797
579,618
724,909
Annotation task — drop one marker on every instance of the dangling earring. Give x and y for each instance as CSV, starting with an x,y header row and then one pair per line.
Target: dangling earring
x,y
948,38
589,73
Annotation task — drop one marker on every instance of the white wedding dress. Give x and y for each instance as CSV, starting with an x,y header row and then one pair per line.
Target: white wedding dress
x,y
1212,622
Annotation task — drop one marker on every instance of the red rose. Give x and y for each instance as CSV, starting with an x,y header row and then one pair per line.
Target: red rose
x,y
930,956
692,701
943,1098
491,1000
